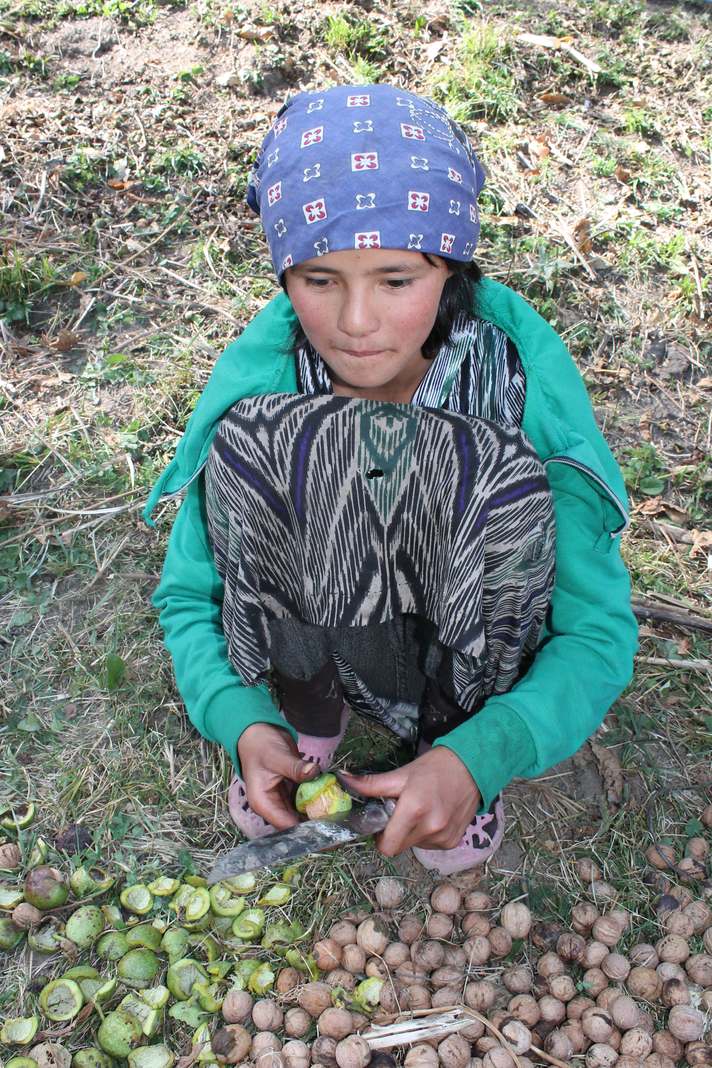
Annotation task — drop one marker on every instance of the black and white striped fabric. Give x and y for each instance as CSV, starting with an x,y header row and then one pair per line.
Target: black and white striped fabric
x,y
478,373
342,515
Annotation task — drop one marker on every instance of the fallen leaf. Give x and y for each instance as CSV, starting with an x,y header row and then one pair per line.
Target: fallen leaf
x,y
610,770
258,33
77,278
654,506
622,174
701,542
555,98
678,515
581,234
434,49
64,341
704,383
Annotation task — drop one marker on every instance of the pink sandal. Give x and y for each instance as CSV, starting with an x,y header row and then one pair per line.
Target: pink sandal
x,y
320,750
480,841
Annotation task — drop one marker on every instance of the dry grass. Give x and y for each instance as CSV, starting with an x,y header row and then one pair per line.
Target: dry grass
x,y
127,261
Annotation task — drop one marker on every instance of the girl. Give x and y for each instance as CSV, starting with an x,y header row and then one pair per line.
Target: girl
x,y
397,501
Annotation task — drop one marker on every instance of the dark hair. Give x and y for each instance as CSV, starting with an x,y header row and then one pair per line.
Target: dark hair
x,y
457,299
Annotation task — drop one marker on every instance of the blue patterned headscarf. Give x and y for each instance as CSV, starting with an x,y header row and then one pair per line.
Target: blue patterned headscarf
x,y
367,166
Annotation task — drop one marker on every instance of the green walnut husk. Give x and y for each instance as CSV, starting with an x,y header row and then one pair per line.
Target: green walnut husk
x,y
118,1034
163,886
249,924
279,935
210,997
303,962
137,899
279,894
155,996
261,980
113,945
17,817
196,906
138,968
85,925
241,884
218,969
158,1056
91,1057
188,1012
368,992
45,887
45,939
291,874
51,1055
10,935
98,990
224,902
21,1062
242,972
114,917
38,853
206,946
61,1000
81,971
10,897
202,1038
322,797
146,935
85,881
182,975
149,1019
19,1030
181,897
174,943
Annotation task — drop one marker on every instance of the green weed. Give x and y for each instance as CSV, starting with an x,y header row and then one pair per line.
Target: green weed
x,y
638,121
643,469
354,37
66,81
480,83
181,160
132,12
22,281
667,26
614,15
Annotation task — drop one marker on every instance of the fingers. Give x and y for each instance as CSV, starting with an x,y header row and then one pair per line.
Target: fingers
x,y
387,784
273,806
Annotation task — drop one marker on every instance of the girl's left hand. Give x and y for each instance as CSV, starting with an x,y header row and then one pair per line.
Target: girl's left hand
x,y
436,800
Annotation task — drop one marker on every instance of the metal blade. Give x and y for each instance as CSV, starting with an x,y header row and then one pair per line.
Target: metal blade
x,y
313,836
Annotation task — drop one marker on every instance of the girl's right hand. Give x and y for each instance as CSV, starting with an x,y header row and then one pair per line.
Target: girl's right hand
x,y
270,763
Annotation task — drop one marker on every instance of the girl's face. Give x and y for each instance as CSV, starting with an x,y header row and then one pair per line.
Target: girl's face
x,y
367,313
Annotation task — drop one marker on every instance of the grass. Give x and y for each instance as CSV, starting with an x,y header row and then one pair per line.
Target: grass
x,y
101,377
480,82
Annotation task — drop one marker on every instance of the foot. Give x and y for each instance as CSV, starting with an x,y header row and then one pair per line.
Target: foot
x,y
320,750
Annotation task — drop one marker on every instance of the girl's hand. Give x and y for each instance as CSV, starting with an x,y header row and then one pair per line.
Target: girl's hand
x,y
436,799
270,763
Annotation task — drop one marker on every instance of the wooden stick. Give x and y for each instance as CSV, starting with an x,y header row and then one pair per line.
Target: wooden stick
x,y
664,661
646,608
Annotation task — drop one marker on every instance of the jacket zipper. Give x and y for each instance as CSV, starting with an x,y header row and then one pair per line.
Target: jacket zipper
x,y
589,473
177,493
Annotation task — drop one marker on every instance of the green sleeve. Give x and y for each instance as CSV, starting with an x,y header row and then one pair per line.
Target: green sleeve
x,y
584,661
189,598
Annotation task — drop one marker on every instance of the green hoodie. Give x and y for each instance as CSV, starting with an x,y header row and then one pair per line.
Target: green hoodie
x,y
586,653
